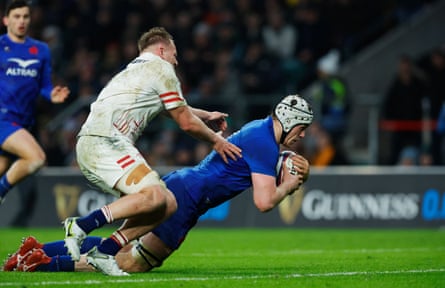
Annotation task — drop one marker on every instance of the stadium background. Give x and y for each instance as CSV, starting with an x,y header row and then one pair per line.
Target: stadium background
x,y
91,40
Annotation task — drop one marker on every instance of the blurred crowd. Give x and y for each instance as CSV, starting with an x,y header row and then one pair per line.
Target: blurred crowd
x,y
413,103
234,56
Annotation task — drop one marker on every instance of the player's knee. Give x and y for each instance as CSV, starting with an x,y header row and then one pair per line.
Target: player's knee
x,y
172,205
128,263
154,198
36,163
145,258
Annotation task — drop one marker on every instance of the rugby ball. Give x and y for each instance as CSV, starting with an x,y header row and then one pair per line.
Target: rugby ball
x,y
285,162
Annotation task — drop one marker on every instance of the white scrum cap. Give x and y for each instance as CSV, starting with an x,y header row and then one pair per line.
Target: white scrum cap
x,y
292,111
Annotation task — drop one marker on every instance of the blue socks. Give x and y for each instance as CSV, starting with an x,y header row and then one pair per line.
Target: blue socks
x,y
92,221
60,261
5,186
58,247
110,246
58,264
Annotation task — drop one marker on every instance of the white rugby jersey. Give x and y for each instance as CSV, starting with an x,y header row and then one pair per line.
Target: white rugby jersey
x,y
133,97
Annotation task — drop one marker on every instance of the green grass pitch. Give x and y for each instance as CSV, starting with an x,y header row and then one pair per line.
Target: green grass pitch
x,y
257,258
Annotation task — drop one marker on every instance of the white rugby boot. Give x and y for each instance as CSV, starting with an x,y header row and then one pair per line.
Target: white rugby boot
x,y
104,263
74,236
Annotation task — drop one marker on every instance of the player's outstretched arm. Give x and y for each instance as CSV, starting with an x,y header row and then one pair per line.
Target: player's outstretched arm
x,y
215,120
266,193
194,126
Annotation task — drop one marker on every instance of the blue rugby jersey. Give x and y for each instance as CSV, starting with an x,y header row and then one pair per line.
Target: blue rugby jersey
x,y
213,181
25,73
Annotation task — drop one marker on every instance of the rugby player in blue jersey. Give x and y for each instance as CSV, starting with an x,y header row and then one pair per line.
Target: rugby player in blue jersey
x,y
25,73
197,189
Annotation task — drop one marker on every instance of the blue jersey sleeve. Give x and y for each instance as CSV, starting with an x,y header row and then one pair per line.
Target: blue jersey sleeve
x,y
213,181
46,82
260,150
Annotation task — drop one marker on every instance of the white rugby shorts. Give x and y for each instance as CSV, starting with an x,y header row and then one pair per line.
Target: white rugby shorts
x,y
114,165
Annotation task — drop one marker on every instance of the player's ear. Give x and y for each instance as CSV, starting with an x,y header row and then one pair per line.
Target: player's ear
x,y
5,21
161,50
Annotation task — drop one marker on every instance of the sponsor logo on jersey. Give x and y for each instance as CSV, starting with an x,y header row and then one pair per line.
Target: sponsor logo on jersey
x,y
138,60
23,69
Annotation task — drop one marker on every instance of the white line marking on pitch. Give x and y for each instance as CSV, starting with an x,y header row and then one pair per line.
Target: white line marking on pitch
x,y
191,279
319,251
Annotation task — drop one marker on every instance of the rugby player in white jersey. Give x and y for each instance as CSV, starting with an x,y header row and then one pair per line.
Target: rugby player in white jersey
x,y
108,158
197,189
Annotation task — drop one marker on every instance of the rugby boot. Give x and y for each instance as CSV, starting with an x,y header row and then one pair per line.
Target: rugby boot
x,y
104,263
28,244
74,236
33,260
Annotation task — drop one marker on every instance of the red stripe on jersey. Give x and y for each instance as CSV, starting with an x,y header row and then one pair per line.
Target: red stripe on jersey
x,y
176,99
127,163
170,97
168,94
123,159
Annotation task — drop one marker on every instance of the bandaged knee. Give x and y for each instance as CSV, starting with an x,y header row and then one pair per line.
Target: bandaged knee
x,y
142,255
130,185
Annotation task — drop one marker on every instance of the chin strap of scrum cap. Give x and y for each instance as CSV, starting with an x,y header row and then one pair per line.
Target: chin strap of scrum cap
x,y
283,135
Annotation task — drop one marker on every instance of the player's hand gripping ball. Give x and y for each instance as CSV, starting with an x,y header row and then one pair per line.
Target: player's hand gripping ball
x,y
285,163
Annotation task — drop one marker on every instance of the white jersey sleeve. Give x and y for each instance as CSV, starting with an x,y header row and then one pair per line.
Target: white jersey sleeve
x,y
133,97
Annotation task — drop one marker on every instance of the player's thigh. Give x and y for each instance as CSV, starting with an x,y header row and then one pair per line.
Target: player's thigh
x,y
23,144
174,230
115,165
140,177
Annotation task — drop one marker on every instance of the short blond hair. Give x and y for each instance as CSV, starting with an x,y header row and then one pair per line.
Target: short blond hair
x,y
154,36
